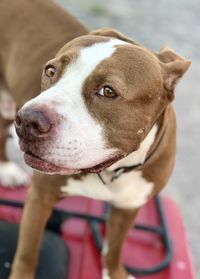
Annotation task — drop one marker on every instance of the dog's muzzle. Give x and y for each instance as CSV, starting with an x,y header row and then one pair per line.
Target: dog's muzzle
x,y
37,128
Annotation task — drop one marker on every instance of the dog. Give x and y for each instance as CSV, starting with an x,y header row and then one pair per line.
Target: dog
x,y
105,108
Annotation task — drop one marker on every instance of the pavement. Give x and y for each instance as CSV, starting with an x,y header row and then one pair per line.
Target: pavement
x,y
156,24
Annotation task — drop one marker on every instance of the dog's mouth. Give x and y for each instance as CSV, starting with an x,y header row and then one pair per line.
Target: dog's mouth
x,y
41,165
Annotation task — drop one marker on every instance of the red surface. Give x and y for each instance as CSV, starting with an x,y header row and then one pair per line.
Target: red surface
x,y
141,249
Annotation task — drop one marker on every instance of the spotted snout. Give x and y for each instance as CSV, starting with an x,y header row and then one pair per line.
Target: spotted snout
x,y
33,124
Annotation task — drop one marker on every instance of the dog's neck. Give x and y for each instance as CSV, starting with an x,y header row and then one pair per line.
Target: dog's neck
x,y
138,156
145,152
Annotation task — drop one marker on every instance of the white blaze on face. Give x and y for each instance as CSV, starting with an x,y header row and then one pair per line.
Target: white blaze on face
x,y
80,141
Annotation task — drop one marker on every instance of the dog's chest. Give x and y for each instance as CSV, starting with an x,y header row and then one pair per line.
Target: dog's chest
x,y
130,190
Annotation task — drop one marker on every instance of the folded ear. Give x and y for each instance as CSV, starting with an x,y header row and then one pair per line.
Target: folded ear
x,y
112,33
174,67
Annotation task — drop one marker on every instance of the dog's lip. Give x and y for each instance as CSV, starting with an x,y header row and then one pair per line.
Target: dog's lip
x,y
105,164
39,164
46,167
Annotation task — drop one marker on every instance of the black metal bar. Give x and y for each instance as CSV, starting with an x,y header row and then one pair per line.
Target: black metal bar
x,y
97,236
167,244
69,214
11,203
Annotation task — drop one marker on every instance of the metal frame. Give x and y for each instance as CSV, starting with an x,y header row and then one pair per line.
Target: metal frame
x,y
59,216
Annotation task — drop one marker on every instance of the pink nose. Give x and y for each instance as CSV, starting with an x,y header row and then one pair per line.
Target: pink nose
x,y
32,124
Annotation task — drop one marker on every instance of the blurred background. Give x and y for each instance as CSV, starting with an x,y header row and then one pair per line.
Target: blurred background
x,y
155,24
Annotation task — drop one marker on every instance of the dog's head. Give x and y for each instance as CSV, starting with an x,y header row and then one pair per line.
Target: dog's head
x,y
100,97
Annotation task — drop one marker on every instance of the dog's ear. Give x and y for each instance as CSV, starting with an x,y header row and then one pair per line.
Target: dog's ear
x,y
174,67
112,33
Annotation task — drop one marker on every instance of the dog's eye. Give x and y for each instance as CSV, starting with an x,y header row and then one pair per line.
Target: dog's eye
x,y
50,71
107,91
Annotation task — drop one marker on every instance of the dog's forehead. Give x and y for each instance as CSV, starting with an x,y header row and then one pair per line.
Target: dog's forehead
x,y
84,42
89,49
82,60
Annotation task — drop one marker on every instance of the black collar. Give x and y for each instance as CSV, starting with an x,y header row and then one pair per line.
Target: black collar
x,y
121,170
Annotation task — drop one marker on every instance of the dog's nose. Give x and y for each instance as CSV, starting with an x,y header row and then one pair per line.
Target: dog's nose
x,y
31,123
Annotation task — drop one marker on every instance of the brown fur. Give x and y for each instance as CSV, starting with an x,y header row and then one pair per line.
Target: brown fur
x,y
44,37
159,168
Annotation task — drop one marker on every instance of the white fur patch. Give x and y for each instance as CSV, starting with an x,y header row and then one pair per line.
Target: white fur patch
x,y
80,142
89,186
105,248
130,190
105,275
12,176
13,152
7,105
12,134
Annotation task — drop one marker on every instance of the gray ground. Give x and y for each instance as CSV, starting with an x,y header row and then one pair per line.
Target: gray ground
x,y
155,24
175,23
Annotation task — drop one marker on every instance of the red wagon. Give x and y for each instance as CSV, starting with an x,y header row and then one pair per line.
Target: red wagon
x,y
156,249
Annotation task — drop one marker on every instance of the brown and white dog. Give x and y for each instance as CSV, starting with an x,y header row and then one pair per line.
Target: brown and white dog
x,y
105,107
